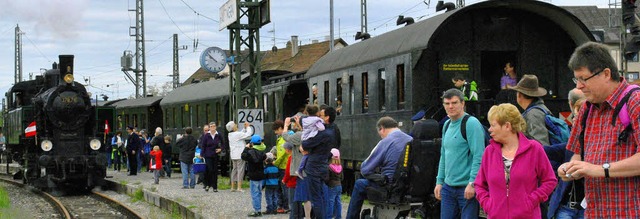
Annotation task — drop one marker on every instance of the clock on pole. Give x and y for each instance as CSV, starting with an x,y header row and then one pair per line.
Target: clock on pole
x,y
213,59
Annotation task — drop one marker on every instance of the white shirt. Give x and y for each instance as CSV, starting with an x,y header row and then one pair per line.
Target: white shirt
x,y
236,142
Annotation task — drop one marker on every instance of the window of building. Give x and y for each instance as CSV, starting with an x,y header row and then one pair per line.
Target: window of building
x,y
381,89
400,86
365,92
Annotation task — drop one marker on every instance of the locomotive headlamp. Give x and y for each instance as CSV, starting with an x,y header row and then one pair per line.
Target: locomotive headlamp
x,y
68,78
46,145
95,144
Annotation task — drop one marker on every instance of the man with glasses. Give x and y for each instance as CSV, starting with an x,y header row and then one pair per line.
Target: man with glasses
x,y
384,157
459,160
610,165
529,98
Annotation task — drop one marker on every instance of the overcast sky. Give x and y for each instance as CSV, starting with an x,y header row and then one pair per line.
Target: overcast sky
x,y
97,33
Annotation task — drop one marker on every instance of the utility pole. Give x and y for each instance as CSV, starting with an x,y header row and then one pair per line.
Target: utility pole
x,y
331,25
256,14
363,16
176,61
18,55
141,69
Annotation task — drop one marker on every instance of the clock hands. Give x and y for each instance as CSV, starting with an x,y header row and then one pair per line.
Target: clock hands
x,y
210,56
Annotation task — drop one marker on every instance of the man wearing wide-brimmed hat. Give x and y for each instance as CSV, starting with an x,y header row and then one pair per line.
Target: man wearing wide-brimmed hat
x,y
529,98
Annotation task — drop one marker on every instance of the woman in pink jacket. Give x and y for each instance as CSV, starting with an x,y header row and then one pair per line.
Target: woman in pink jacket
x,y
515,175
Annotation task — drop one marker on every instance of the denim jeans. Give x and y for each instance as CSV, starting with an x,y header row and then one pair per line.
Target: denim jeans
x,y
108,154
334,204
167,167
454,205
357,198
565,212
188,178
295,207
271,196
316,193
283,201
256,194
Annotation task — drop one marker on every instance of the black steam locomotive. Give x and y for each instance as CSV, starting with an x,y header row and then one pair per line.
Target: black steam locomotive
x,y
52,133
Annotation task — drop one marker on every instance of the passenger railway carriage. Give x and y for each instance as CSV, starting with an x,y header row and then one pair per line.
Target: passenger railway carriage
x,y
403,71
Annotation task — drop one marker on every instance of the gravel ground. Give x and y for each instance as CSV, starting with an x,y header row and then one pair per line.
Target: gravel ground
x,y
25,204
219,205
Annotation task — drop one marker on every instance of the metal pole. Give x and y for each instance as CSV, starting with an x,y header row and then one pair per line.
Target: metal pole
x,y
331,25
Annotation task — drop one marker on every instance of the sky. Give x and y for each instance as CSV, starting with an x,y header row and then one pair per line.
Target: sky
x,y
97,33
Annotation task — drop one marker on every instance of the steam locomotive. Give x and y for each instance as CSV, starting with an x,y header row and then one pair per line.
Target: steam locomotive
x,y
52,132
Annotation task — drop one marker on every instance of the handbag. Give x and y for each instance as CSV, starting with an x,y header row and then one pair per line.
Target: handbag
x,y
152,163
199,165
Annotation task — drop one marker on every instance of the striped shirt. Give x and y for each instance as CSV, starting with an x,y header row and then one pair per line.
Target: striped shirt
x,y
612,197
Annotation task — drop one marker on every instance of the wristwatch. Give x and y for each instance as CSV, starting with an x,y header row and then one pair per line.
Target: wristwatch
x,y
606,166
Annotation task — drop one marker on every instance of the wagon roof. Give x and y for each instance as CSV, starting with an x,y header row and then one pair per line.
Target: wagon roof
x,y
140,102
200,91
417,36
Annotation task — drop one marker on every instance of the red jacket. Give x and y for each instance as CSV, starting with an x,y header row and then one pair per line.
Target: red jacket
x,y
288,179
158,158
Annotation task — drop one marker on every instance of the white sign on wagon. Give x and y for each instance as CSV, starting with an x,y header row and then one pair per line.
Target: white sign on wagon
x,y
255,117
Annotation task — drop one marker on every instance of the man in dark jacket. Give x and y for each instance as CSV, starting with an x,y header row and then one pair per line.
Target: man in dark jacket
x,y
317,167
187,145
133,146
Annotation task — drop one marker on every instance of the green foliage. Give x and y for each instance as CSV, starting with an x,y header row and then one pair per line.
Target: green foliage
x,y
5,202
138,195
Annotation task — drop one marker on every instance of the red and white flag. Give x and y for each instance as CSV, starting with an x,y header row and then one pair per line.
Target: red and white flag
x,y
106,127
30,131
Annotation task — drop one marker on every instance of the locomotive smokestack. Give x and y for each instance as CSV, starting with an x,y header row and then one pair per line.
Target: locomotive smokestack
x,y
66,68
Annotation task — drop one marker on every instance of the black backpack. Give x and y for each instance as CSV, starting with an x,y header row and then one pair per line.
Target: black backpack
x,y
463,130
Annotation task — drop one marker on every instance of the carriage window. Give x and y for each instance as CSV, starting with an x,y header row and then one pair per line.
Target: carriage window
x,y
208,114
197,114
277,106
143,122
182,114
126,120
400,86
135,121
175,122
326,92
338,100
314,93
381,92
166,119
365,92
352,96
218,113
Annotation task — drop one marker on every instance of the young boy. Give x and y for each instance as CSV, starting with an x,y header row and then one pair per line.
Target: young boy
x,y
271,184
155,163
255,156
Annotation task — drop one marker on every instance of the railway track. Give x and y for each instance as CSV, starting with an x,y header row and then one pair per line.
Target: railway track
x,y
92,205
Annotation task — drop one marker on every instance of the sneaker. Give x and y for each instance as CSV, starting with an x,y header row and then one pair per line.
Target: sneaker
x,y
280,211
184,187
255,214
215,190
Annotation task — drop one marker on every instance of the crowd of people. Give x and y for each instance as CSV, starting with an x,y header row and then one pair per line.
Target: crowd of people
x,y
519,174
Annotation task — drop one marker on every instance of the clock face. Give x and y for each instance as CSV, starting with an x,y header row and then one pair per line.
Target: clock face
x,y
213,59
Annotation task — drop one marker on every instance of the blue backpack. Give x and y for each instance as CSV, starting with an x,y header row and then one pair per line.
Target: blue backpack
x,y
463,130
558,129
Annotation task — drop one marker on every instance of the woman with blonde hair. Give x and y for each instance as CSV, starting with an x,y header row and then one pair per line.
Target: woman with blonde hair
x,y
515,175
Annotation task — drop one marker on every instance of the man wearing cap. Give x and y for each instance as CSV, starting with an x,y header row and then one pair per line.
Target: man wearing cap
x,y
383,159
133,145
529,98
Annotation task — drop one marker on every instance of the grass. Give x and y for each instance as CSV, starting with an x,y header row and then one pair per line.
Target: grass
x,y
138,195
224,183
5,202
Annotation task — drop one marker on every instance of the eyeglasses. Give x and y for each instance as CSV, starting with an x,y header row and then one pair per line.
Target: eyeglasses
x,y
583,81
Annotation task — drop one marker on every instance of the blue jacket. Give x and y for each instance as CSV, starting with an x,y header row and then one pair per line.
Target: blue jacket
x,y
271,173
558,154
386,154
319,148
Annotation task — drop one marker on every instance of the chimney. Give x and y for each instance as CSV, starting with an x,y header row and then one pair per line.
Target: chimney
x,y
294,45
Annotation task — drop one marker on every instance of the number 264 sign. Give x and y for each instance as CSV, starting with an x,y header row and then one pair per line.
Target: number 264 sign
x,y
254,117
